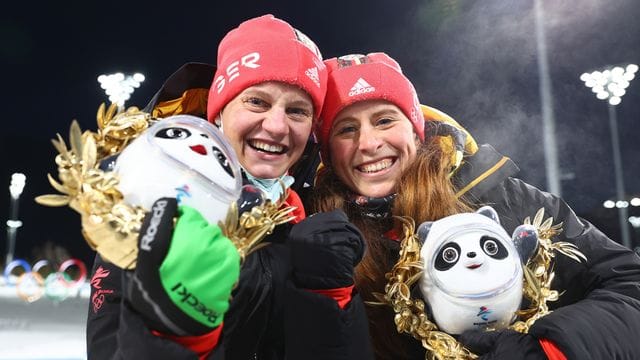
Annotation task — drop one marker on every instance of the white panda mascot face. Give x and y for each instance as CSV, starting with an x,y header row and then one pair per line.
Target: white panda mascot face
x,y
472,276
185,157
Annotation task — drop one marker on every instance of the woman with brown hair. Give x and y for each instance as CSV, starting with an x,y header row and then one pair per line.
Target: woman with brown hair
x,y
381,160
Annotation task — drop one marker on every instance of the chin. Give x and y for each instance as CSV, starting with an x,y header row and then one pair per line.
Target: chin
x,y
377,192
264,173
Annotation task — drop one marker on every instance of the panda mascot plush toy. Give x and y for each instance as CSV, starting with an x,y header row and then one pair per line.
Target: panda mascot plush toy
x,y
473,270
184,157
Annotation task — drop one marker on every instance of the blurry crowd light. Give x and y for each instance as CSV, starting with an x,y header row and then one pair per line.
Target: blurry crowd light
x,y
120,87
622,204
610,84
610,204
635,221
14,223
17,184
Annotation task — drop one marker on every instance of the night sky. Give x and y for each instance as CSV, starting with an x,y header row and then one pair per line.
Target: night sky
x,y
475,60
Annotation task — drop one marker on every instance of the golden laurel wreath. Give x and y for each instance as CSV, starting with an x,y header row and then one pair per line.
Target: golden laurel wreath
x,y
109,225
412,319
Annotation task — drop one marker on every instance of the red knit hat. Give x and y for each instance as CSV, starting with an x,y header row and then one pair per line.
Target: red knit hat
x,y
266,49
375,76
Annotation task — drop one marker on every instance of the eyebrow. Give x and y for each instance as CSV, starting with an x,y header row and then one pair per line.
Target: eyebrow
x,y
263,93
301,103
256,91
385,111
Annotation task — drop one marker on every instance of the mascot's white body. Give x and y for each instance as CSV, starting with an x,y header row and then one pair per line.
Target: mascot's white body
x,y
473,274
184,157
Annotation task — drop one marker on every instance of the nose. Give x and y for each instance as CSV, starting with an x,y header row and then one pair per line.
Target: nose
x,y
369,141
275,121
471,254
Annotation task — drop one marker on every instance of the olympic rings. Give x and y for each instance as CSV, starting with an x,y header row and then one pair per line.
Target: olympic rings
x,y
32,283
81,268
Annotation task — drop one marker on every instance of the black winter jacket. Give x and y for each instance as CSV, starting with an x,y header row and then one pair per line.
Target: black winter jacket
x,y
598,314
268,318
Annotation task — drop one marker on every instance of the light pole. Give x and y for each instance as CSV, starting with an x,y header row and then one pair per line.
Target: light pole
x,y
15,189
120,87
610,85
546,101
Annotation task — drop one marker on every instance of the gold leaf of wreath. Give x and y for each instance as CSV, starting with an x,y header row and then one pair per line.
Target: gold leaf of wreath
x,y
109,225
538,272
411,317
248,229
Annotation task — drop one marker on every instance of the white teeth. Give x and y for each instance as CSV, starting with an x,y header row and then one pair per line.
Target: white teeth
x,y
267,147
382,164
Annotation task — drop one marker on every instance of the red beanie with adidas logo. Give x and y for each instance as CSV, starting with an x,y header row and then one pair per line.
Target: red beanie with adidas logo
x,y
375,76
266,49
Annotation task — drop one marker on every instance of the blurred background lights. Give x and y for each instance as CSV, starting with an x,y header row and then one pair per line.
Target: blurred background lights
x,y
622,204
610,84
610,204
119,86
18,181
17,184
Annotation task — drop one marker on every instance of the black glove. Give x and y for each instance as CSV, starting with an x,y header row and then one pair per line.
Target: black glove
x,y
325,248
184,273
502,344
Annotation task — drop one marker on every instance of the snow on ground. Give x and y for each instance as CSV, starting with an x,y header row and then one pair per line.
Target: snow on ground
x,y
44,329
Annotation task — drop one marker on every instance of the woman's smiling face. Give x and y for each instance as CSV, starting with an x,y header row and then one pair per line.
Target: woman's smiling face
x,y
268,126
371,143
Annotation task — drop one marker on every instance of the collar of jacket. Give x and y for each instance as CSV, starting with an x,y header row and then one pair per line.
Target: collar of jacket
x,y
184,92
482,171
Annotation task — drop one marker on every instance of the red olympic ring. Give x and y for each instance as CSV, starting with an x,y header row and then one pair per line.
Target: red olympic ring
x,y
80,265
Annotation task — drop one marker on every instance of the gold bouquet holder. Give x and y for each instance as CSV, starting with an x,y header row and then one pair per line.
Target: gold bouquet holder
x,y
109,225
412,319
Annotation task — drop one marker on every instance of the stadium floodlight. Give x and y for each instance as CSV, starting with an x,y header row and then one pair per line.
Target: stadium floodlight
x,y
119,86
610,84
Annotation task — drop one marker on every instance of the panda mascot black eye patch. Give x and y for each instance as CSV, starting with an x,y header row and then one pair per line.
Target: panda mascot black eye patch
x,y
222,159
173,133
447,257
494,248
